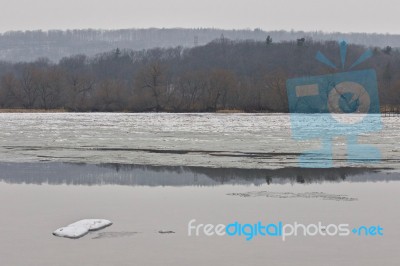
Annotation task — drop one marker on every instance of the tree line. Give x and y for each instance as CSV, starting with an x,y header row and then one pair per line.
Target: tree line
x,y
221,75
27,46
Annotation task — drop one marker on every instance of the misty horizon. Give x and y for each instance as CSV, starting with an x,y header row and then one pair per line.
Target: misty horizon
x,y
347,16
4,32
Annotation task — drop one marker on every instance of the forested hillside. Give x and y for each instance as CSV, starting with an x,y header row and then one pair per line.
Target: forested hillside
x,y
56,44
222,75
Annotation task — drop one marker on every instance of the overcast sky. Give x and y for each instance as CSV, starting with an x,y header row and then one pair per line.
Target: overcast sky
x,y
341,15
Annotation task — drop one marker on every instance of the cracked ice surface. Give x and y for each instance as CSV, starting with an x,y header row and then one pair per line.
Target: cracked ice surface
x,y
212,140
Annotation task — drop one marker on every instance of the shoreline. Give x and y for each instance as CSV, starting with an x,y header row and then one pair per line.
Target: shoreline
x,y
10,110
21,110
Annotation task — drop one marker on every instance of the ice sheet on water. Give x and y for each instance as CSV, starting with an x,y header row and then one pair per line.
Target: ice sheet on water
x,y
287,195
81,228
207,140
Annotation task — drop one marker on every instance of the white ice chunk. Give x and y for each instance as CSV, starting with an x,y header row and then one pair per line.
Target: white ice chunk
x,y
92,224
71,232
81,228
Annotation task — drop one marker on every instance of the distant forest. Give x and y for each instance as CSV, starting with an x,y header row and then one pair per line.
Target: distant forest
x,y
25,46
245,75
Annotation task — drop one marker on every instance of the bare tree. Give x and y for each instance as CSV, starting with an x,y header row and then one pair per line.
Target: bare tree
x,y
10,91
152,77
28,88
275,86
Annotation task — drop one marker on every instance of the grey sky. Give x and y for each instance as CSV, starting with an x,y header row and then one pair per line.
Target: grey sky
x,y
341,15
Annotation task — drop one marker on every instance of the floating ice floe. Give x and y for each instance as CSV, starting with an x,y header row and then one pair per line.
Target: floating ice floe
x,y
81,228
287,195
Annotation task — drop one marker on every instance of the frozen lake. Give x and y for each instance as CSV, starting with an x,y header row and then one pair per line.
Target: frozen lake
x,y
152,173
252,141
